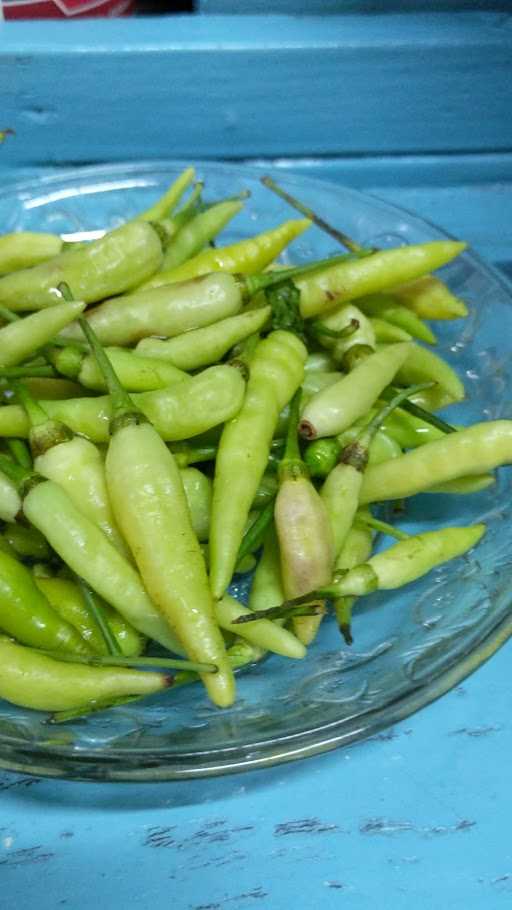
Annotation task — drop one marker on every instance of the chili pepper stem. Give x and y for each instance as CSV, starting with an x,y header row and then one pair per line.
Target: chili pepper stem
x,y
368,521
123,408
291,464
341,237
251,284
420,412
100,619
115,660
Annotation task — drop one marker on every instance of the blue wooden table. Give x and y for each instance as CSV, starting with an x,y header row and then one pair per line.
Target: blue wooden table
x,y
415,109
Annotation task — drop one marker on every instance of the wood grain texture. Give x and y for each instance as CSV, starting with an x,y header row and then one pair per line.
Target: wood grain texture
x,y
222,87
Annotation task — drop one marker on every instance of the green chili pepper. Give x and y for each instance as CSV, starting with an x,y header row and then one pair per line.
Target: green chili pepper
x,y
33,680
382,447
319,361
67,600
136,373
247,257
115,263
26,614
429,298
339,318
386,307
386,333
167,311
198,492
267,585
168,202
149,503
303,529
202,347
276,372
180,411
75,464
471,451
321,456
422,365
201,228
334,409
27,543
25,336
358,277
265,634
355,550
88,553
25,249
463,485
266,491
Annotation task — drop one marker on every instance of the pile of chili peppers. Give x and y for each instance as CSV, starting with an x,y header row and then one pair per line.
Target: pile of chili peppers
x,y
176,412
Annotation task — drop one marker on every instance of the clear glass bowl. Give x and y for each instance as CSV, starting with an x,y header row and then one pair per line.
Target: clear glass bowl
x,y
410,646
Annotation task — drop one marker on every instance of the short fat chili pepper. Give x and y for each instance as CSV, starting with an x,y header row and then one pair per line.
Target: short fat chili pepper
x,y
33,680
26,614
337,407
67,600
113,264
150,506
247,257
471,451
24,337
180,411
88,553
166,311
136,373
358,277
202,347
276,371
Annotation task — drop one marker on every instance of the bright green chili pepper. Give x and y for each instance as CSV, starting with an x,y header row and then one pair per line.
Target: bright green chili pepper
x,y
199,231
115,263
166,203
33,680
472,451
337,407
88,553
358,277
27,543
386,307
321,456
423,365
178,412
355,550
198,492
26,614
386,333
429,298
25,336
267,584
265,634
25,249
136,373
202,347
303,529
67,600
276,371
382,447
247,257
150,505
75,464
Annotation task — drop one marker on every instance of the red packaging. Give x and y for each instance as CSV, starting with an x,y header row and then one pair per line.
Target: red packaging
x,y
64,9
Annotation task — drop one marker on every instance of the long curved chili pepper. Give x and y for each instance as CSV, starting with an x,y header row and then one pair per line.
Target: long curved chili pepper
x,y
151,508
33,680
202,347
178,412
276,371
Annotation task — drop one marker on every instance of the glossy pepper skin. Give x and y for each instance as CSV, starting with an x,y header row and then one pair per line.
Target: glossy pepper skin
x,y
26,614
117,262
25,249
178,412
25,336
151,509
33,680
276,371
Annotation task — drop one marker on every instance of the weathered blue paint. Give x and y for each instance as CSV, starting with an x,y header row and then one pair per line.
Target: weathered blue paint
x,y
419,812
241,86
